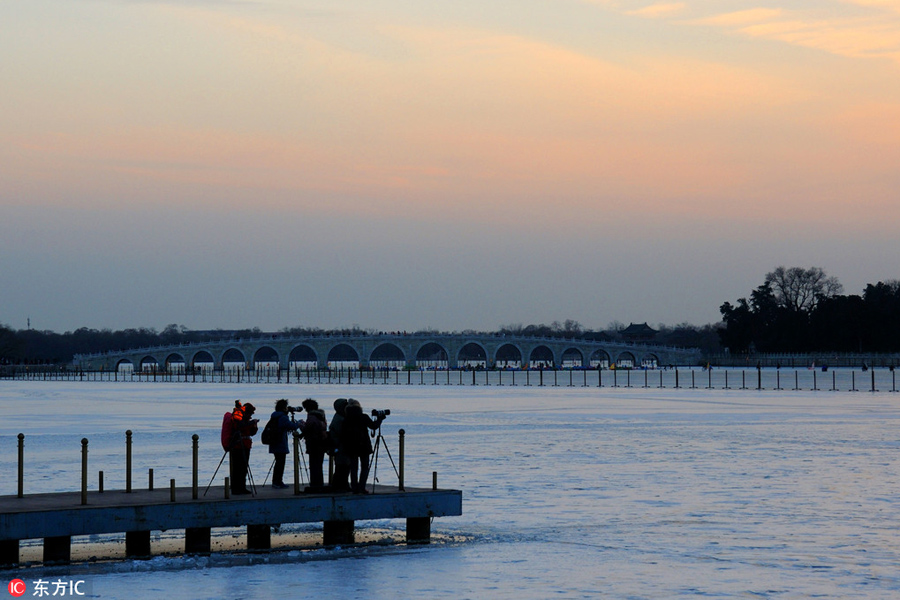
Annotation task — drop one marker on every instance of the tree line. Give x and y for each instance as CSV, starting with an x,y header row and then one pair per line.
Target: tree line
x,y
798,310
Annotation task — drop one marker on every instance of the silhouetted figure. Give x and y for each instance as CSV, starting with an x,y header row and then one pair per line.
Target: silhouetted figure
x,y
341,479
315,432
244,428
357,443
280,447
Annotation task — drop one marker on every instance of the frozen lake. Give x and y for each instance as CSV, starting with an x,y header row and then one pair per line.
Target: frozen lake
x,y
568,492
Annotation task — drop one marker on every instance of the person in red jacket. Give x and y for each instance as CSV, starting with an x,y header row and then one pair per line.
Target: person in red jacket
x,y
244,427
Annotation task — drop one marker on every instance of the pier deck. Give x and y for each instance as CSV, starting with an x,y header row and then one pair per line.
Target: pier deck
x,y
58,517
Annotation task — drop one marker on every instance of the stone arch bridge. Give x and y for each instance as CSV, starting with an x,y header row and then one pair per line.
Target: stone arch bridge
x,y
411,351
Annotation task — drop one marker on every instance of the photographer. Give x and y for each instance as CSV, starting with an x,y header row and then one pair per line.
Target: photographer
x,y
357,444
280,447
244,428
340,482
315,432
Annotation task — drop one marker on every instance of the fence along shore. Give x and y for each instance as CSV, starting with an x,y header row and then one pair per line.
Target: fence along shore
x,y
763,377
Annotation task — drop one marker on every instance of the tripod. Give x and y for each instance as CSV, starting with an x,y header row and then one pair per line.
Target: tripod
x,y
380,438
216,472
249,472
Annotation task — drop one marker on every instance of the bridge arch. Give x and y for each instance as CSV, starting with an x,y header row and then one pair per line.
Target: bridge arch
x,y
472,355
203,360
387,356
625,360
149,363
265,357
125,366
175,363
572,358
540,357
508,356
302,356
233,360
650,361
600,359
432,355
343,356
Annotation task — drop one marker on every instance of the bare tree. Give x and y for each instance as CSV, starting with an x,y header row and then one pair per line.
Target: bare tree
x,y
800,290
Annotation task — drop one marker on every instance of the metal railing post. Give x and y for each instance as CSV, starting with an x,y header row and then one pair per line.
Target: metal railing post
x,y
21,490
84,470
128,461
195,465
401,459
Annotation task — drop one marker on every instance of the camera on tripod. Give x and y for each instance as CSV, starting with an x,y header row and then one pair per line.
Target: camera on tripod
x,y
380,414
294,409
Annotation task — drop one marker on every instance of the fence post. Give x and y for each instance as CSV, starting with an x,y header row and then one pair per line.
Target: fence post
x,y
21,491
128,461
84,470
401,459
195,464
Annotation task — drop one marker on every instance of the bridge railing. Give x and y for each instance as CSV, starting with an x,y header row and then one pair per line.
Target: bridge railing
x,y
385,337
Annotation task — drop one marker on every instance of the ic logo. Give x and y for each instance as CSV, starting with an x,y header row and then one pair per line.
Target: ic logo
x,y
16,588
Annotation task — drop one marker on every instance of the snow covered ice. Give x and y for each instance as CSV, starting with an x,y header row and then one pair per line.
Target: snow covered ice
x,y
568,492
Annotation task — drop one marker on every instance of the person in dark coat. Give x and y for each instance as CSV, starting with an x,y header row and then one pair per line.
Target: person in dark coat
x,y
341,480
244,428
315,432
357,443
280,447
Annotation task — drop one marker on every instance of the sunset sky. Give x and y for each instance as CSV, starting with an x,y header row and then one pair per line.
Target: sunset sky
x,y
400,164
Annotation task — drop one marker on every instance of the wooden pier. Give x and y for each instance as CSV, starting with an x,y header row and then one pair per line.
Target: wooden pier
x,y
55,518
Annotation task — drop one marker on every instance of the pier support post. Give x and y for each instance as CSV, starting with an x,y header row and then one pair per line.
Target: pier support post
x,y
418,530
197,540
58,549
259,537
137,544
338,532
9,552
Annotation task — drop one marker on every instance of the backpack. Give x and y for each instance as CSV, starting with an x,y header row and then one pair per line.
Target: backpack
x,y
227,431
316,429
270,433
